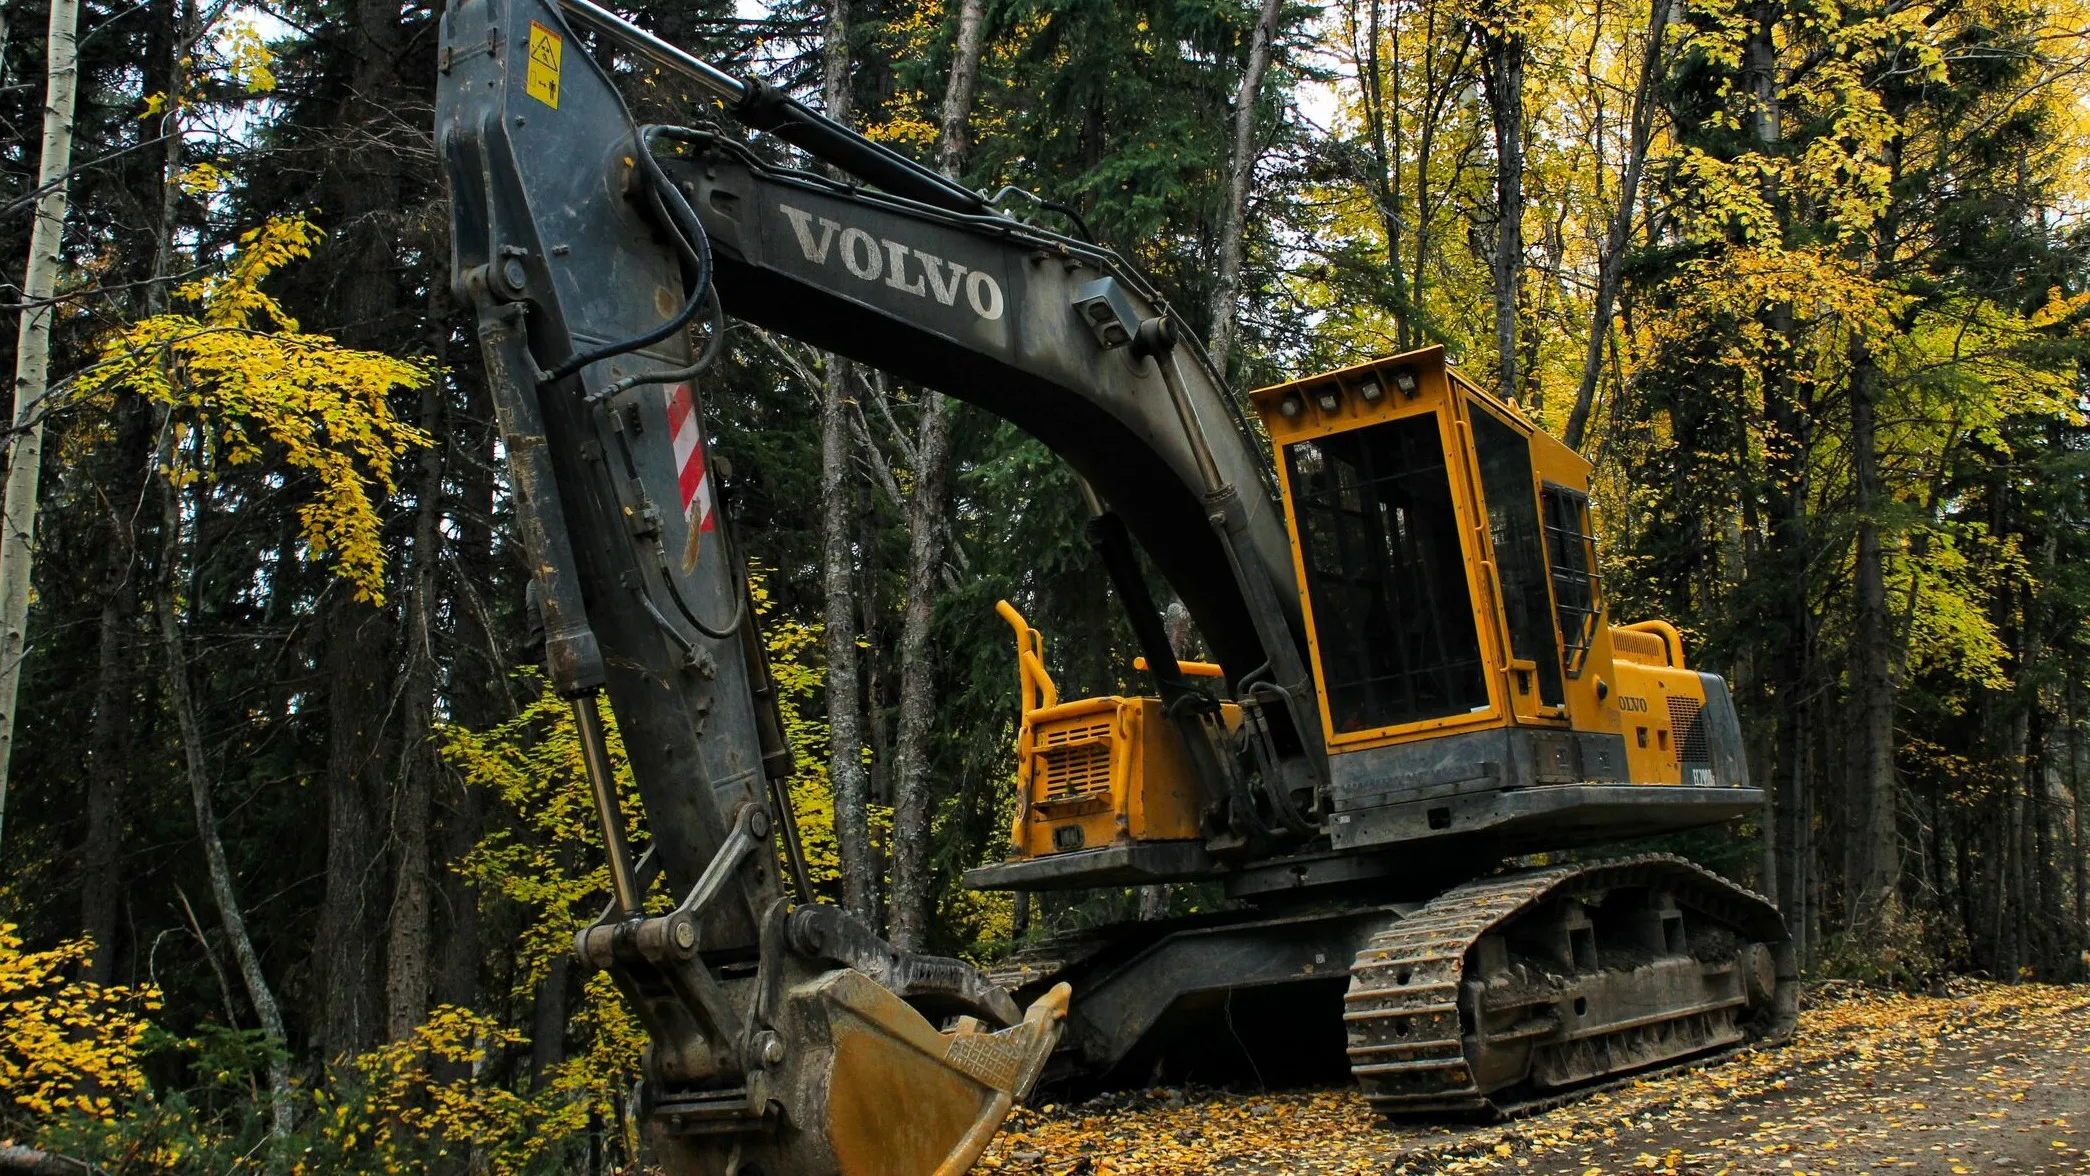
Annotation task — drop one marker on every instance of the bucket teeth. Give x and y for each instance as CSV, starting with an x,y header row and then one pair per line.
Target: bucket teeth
x,y
868,1088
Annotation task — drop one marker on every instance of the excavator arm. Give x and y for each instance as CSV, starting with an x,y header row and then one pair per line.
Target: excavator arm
x,y
792,1038
1461,697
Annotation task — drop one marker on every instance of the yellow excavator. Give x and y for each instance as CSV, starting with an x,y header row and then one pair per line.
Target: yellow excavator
x,y
1410,680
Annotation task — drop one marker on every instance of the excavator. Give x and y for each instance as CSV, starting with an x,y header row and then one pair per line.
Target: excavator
x,y
1411,712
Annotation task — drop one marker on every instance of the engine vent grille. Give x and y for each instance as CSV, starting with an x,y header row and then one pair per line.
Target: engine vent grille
x,y
1688,729
1079,770
1053,736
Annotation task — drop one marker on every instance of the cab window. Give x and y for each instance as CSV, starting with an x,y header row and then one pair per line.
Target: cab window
x,y
1571,554
1385,575
1512,497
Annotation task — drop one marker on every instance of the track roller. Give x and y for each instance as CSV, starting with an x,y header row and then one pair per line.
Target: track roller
x,y
1520,987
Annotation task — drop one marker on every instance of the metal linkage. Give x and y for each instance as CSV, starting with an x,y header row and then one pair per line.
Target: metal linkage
x,y
767,109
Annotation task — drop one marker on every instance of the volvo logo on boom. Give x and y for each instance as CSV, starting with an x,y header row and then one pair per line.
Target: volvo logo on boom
x,y
901,266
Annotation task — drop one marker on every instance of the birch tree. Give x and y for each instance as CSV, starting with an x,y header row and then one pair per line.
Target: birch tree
x,y
1241,163
1609,261
32,367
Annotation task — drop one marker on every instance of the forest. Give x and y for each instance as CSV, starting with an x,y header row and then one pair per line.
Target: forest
x,y
294,838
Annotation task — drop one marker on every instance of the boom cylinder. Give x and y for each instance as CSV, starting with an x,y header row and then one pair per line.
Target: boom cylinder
x,y
595,753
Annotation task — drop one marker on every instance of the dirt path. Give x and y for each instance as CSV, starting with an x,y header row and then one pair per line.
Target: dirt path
x,y
1992,1081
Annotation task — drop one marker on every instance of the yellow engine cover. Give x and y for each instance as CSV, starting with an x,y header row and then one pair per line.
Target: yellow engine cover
x,y
1103,771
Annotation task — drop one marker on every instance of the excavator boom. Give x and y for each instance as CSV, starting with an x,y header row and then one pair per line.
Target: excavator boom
x,y
1406,646
782,1038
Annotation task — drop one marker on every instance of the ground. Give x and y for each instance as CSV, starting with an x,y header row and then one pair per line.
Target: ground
x,y
1990,1080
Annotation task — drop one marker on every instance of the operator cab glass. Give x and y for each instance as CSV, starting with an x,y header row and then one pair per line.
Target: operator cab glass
x,y
1504,457
1445,550
1378,535
1571,546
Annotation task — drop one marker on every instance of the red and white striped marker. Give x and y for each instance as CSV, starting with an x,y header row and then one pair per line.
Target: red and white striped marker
x,y
693,478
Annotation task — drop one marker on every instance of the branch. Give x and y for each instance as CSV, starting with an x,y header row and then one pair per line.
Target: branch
x,y
30,199
799,368
877,461
874,384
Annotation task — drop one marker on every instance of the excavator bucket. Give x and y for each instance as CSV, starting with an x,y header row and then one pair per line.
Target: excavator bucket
x,y
868,1087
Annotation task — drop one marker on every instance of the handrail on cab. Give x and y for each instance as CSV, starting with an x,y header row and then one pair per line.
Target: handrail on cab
x,y
1195,669
1034,687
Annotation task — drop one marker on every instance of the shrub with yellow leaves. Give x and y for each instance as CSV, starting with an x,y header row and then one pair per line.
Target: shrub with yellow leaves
x,y
66,1046
427,1102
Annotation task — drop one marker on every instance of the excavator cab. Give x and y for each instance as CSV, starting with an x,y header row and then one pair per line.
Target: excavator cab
x,y
1470,686
1448,561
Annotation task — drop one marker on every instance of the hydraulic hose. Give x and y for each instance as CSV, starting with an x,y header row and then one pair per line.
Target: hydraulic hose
x,y
691,241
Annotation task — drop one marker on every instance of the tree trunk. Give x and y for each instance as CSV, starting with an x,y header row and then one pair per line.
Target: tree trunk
x,y
182,702
1156,897
1383,124
101,855
845,734
1502,74
1233,229
365,307
2080,842
1608,263
844,700
548,1020
1786,546
478,672
912,803
345,964
407,948
1874,853
32,369
548,1008
956,138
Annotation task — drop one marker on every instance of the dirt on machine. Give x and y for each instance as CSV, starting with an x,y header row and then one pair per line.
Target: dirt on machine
x,y
1410,712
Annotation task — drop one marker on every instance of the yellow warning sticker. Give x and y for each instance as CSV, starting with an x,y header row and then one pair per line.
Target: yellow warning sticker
x,y
543,79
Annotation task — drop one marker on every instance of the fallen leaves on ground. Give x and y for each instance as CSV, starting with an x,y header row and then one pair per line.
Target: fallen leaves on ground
x,y
1835,1099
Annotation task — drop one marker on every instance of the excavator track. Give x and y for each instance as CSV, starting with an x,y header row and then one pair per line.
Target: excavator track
x,y
1527,988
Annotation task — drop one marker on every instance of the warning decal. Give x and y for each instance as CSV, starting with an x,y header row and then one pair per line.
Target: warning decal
x,y
687,432
543,79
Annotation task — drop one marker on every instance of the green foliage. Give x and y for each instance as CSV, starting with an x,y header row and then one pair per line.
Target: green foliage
x,y
546,854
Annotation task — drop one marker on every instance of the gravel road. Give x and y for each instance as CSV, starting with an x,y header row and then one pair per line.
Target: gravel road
x,y
1991,1080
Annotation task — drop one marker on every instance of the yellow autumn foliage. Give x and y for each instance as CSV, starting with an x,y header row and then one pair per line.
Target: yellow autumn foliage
x,y
67,1045
243,383
407,1106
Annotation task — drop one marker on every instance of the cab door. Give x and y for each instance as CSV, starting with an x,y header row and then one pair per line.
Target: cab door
x,y
1516,545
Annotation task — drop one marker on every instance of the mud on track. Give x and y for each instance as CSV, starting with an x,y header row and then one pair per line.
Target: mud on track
x,y
1991,1080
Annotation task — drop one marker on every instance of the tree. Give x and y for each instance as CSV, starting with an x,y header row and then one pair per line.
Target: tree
x,y
32,368
236,381
1240,171
838,555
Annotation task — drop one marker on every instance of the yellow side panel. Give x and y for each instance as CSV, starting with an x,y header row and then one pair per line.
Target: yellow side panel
x,y
1103,771
1657,705
1163,802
